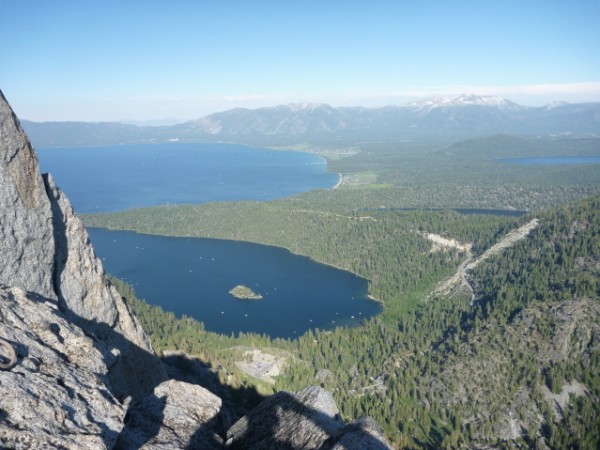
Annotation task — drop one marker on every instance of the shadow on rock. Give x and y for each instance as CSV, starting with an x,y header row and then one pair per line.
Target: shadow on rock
x,y
133,371
309,419
176,415
236,401
142,423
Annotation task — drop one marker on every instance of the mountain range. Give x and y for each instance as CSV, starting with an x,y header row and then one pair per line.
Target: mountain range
x,y
452,117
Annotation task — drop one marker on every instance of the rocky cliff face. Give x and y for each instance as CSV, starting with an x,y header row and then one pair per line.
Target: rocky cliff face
x,y
26,227
45,249
57,394
76,368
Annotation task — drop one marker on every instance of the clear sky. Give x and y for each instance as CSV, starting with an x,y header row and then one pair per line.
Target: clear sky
x,y
150,59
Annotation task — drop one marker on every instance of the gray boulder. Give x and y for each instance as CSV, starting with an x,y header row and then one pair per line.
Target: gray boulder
x,y
363,434
177,415
307,420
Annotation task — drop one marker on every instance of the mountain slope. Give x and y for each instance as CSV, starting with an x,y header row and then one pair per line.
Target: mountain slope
x,y
294,119
523,364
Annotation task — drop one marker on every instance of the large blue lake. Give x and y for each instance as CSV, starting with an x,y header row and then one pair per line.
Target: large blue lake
x,y
112,178
193,276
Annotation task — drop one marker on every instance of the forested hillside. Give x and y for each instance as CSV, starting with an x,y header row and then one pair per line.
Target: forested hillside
x,y
386,247
518,366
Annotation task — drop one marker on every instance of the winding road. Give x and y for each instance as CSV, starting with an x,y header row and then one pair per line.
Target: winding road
x,y
460,278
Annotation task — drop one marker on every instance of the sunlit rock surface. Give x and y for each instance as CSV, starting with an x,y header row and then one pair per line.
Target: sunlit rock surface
x,y
57,395
45,249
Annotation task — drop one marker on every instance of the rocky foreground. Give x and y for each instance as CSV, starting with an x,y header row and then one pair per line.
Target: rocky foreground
x,y
85,374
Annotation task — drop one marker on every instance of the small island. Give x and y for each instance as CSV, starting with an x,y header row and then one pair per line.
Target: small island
x,y
244,293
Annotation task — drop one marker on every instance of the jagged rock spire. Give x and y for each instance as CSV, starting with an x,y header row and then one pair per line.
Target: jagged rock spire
x,y
45,249
26,237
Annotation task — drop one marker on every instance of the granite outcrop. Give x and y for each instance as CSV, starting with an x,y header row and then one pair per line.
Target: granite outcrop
x,y
45,249
56,396
309,419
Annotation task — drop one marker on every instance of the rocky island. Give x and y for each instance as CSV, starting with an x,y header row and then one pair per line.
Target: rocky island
x,y
244,293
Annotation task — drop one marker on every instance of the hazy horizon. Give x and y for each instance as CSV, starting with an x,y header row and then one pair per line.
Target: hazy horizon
x,y
167,121
153,61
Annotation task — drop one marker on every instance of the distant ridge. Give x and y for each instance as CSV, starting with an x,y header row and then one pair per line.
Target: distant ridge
x,y
457,117
467,100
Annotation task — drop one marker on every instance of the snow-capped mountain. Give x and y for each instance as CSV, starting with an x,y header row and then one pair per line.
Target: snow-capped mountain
x,y
466,100
554,105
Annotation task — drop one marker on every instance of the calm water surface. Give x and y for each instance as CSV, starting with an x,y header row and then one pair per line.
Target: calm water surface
x,y
118,177
193,276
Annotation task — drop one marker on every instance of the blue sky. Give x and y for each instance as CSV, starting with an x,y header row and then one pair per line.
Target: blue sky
x,y
150,59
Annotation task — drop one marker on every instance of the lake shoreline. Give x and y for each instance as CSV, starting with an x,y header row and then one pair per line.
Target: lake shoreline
x,y
340,182
145,175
